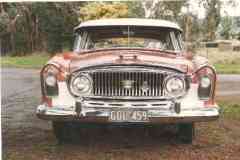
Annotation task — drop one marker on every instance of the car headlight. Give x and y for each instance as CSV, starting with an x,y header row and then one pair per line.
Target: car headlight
x,y
175,86
205,87
51,80
205,82
81,84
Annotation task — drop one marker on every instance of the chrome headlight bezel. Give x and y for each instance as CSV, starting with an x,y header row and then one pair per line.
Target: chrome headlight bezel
x,y
73,88
180,79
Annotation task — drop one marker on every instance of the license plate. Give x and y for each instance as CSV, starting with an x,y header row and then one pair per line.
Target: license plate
x,y
128,116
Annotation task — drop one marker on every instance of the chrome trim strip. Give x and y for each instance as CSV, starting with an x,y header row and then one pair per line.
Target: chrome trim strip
x,y
200,113
148,66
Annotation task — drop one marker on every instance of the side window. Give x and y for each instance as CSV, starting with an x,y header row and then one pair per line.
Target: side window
x,y
174,40
169,44
180,41
83,42
77,42
89,43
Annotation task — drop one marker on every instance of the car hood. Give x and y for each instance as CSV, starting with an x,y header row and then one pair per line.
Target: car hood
x,y
128,57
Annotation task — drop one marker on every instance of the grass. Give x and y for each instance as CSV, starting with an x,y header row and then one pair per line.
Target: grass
x,y
225,62
32,61
227,68
230,110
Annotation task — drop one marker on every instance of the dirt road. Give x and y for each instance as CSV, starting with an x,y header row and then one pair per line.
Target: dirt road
x,y
27,137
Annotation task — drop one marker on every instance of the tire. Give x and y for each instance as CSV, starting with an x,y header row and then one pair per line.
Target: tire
x,y
65,132
186,133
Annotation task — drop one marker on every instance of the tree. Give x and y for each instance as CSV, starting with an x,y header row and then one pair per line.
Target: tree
x,y
135,9
31,27
213,16
150,8
8,23
225,27
170,10
97,10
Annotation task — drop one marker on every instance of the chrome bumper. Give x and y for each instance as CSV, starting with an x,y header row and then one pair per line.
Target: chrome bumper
x,y
98,113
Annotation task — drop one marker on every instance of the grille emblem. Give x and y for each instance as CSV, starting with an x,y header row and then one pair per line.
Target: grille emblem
x,y
127,84
145,86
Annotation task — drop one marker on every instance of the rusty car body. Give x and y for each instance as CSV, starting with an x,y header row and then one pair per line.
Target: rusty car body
x,y
128,71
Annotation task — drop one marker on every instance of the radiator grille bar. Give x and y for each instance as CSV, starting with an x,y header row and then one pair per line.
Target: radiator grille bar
x,y
127,83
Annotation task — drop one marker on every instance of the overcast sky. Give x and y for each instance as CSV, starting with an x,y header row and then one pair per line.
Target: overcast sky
x,y
226,9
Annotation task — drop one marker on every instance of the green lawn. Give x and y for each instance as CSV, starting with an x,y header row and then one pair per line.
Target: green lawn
x,y
32,61
228,68
230,110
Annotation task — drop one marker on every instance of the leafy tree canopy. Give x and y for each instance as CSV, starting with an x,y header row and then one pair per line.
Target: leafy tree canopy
x,y
96,10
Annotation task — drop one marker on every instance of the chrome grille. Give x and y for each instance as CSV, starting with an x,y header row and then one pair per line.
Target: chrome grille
x,y
127,83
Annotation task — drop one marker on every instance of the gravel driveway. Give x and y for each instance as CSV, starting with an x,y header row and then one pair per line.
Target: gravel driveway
x,y
27,137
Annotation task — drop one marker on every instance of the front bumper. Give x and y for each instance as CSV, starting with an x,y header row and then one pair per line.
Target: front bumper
x,y
95,112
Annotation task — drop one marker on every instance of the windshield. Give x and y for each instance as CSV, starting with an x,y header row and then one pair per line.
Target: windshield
x,y
128,37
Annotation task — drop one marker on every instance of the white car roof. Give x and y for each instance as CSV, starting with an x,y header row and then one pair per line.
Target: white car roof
x,y
128,22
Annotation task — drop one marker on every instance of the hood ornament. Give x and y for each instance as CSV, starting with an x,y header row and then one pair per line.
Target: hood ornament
x,y
128,57
145,86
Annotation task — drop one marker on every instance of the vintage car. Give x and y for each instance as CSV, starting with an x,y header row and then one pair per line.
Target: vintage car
x,y
127,72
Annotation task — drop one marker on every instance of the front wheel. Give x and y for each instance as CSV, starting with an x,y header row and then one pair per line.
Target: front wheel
x,y
186,132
